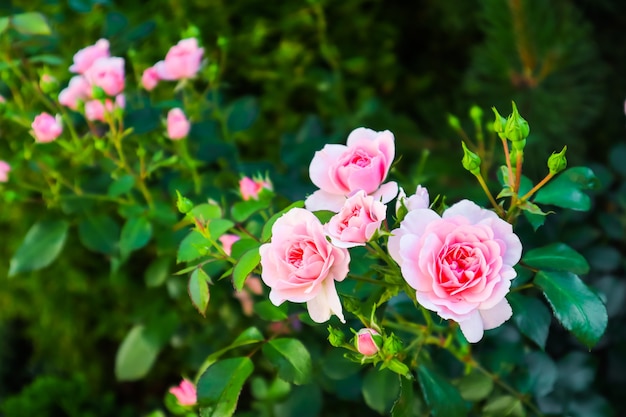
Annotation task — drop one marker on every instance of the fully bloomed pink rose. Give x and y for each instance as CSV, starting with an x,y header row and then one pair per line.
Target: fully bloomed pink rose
x,y
177,124
185,393
77,90
362,164
108,74
5,168
182,61
149,78
460,264
300,265
46,127
251,188
84,58
357,221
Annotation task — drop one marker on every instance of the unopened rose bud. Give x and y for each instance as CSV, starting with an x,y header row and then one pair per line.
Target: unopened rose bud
x,y
557,161
392,345
398,367
335,337
183,204
516,128
98,93
365,342
476,113
454,122
48,84
499,123
471,161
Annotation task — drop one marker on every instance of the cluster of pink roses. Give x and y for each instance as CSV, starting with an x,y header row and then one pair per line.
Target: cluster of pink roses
x,y
460,264
182,61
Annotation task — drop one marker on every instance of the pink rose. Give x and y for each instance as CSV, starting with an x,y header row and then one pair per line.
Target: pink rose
x,y
362,164
416,201
182,61
357,221
300,265
227,242
46,127
77,90
177,124
97,110
108,74
84,58
185,393
250,189
149,78
460,264
4,171
2,99
365,343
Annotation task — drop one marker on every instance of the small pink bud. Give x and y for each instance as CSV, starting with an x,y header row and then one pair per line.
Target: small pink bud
x,y
46,127
149,78
250,188
5,168
185,393
365,343
177,124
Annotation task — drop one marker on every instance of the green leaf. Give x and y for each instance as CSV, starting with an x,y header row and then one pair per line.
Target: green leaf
x,y
52,60
578,308
122,185
99,233
535,220
41,245
405,405
381,389
303,401
206,211
269,312
291,358
442,397
4,24
219,387
136,354
217,227
556,257
566,190
505,406
198,288
542,373
32,23
136,234
193,246
475,386
245,266
158,272
266,234
243,209
532,318
249,336
242,246
241,114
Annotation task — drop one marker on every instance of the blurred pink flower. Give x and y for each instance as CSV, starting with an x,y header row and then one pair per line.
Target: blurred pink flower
x,y
227,241
250,188
357,221
365,343
182,61
97,110
84,58
46,127
5,168
149,78
460,264
362,164
300,265
77,90
108,74
185,393
420,199
177,124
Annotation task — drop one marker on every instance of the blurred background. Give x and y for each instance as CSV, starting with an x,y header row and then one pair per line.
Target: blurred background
x,y
309,72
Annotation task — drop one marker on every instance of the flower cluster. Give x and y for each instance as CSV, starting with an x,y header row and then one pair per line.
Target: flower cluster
x,y
460,263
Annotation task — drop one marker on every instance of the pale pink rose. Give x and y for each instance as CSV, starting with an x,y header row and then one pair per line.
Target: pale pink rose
x,y
97,110
253,285
227,241
460,264
300,265
77,90
2,99
177,124
365,343
418,200
108,74
185,393
46,127
362,164
182,61
357,221
251,188
5,168
149,78
84,58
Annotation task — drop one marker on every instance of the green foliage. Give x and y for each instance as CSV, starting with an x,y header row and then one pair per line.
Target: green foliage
x,y
566,190
40,247
291,358
442,398
219,387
